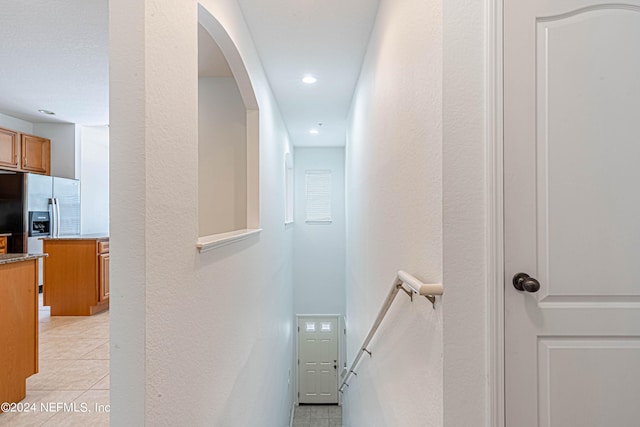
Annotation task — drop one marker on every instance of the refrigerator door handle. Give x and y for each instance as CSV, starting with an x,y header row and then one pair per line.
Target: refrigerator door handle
x,y
52,204
57,217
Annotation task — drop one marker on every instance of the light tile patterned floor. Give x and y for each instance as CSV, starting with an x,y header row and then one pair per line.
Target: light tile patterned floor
x,y
72,385
317,416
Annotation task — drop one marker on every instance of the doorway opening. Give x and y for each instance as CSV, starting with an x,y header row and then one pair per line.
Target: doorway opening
x,y
318,349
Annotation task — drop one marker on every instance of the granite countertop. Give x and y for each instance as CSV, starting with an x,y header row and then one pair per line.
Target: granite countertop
x,y
96,236
9,258
5,234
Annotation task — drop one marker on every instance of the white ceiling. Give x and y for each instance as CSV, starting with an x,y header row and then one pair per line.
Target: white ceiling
x,y
54,56
326,38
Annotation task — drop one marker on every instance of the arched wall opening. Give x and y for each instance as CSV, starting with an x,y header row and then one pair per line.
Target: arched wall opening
x,y
228,140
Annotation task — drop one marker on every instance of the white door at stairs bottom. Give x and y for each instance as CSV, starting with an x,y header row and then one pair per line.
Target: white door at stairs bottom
x,y
318,360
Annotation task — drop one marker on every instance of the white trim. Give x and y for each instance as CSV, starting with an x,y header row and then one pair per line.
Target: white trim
x,y
495,213
292,414
253,169
213,241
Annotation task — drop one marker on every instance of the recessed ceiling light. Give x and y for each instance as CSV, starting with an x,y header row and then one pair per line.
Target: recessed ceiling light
x,y
49,112
309,79
314,131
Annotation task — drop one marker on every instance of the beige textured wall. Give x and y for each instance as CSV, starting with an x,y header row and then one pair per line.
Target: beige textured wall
x,y
196,339
222,156
394,218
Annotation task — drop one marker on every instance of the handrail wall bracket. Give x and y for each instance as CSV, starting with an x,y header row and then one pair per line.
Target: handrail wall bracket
x,y
431,298
400,286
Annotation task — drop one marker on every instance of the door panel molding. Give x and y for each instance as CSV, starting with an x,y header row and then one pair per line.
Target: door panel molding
x,y
558,153
581,10
561,359
494,167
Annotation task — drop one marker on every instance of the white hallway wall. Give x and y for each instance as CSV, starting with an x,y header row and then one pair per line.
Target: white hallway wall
x,y
394,218
418,128
195,339
465,397
64,147
465,234
319,249
63,142
16,124
222,156
94,179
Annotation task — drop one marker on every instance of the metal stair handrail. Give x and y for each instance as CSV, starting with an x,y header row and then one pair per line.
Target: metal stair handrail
x,y
429,291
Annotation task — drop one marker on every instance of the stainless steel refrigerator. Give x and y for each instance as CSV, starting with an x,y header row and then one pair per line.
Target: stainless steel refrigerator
x,y
21,193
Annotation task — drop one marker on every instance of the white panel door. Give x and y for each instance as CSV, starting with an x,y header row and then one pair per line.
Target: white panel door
x,y
572,212
318,360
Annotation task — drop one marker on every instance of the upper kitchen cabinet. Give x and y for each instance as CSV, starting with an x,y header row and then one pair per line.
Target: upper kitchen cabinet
x,y
9,149
36,154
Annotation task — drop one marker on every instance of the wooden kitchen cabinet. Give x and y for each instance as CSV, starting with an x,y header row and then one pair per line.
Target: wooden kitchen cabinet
x,y
103,271
76,275
18,325
36,154
9,149
3,244
22,152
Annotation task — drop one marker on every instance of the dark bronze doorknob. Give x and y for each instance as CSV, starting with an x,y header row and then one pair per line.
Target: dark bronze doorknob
x,y
524,282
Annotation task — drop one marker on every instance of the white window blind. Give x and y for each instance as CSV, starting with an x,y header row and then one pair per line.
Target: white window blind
x,y
318,195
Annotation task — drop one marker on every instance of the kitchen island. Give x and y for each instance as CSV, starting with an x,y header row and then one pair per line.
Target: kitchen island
x,y
76,274
18,323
